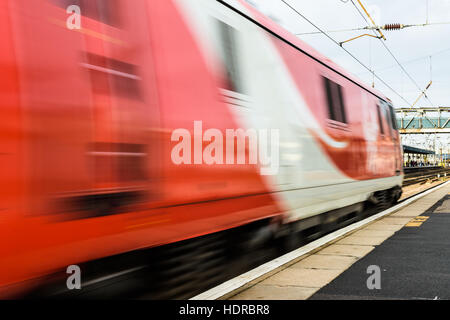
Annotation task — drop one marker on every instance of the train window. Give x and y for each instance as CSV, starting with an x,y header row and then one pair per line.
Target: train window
x,y
393,118
105,11
130,160
108,11
380,119
387,116
228,38
106,72
335,99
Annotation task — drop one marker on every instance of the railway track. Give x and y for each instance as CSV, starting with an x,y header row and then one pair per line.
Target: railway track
x,y
424,174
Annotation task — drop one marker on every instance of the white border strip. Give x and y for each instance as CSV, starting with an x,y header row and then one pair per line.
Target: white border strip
x,y
239,281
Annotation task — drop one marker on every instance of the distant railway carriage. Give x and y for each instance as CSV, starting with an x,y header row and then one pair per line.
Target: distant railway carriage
x,y
88,115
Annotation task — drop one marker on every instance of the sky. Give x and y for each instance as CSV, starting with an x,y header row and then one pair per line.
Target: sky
x,y
412,47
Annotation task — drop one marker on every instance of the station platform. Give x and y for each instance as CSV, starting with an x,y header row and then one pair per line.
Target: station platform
x,y
410,247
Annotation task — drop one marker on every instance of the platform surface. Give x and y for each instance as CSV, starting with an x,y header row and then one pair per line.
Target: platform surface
x,y
414,263
411,247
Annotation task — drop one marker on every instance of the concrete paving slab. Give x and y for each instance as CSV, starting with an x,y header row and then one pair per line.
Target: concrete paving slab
x,y
273,292
333,262
383,226
362,241
395,220
347,250
410,212
311,278
373,233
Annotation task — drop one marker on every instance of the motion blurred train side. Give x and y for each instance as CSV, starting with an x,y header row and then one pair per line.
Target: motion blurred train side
x,y
87,118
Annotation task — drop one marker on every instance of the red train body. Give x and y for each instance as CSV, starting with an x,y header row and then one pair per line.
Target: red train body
x,y
88,115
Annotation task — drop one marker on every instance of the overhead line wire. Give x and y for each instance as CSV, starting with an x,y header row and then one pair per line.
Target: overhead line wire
x,y
348,52
393,56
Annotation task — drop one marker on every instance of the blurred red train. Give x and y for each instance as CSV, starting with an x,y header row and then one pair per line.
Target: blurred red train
x,y
87,117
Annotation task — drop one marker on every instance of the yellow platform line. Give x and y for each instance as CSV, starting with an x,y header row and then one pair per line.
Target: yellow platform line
x,y
417,221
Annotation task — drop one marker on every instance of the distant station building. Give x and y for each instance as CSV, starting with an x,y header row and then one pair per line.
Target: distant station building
x,y
416,157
